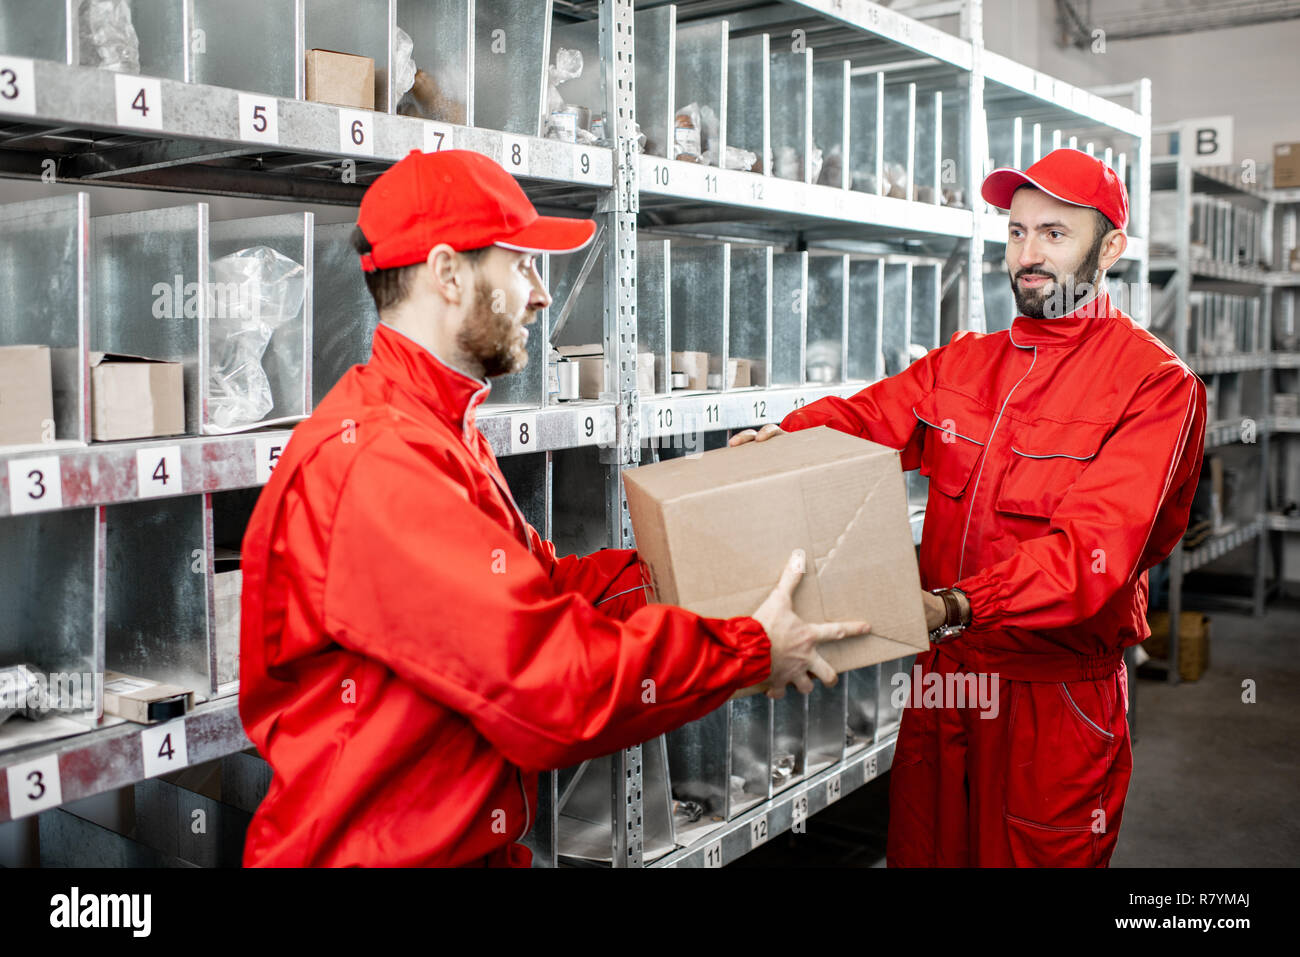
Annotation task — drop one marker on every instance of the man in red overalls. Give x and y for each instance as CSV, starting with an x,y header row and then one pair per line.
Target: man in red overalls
x,y
413,652
1062,457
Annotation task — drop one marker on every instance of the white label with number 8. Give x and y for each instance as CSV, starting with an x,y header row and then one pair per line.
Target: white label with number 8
x,y
523,433
259,118
139,101
514,154
34,786
35,485
356,132
17,86
158,471
163,748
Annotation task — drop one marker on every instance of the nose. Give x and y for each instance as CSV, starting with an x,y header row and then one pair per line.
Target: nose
x,y
1030,255
540,298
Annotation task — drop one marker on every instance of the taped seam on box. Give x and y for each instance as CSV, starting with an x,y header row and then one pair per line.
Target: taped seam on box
x,y
822,563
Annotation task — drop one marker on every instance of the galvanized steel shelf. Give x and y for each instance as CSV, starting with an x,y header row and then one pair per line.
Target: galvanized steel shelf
x,y
1220,544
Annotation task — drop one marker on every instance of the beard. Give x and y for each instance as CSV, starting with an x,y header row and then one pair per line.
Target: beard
x,y
492,339
1079,284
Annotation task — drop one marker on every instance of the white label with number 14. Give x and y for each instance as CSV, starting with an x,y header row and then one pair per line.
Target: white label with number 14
x,y
163,748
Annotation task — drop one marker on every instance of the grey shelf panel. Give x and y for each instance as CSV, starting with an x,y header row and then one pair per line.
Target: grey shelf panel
x,y
1048,91
1213,180
895,28
1220,544
1239,362
1227,272
1228,432
113,757
728,842
1282,523
1284,424
741,409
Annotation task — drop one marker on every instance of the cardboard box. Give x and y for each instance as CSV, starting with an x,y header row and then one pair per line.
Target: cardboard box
x,y
227,584
1193,642
1286,165
645,373
717,530
342,79
144,701
26,395
132,397
696,367
738,374
590,360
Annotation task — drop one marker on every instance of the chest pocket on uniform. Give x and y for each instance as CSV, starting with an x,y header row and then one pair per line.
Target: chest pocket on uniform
x,y
1046,459
957,430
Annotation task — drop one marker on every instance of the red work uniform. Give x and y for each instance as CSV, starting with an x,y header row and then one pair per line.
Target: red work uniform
x,y
1062,458
413,653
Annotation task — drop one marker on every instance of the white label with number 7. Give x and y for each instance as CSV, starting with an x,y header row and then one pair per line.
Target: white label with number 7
x,y
158,471
259,118
163,748
139,101
356,132
34,786
17,86
35,485
438,137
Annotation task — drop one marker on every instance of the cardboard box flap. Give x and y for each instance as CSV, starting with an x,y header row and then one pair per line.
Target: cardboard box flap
x,y
581,352
98,357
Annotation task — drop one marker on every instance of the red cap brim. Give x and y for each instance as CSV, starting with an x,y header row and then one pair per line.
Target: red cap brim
x,y
1001,184
551,234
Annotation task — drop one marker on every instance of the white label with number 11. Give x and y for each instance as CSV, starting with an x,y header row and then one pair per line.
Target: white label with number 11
x,y
163,748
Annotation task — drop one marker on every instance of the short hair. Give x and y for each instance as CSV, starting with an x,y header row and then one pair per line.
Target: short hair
x,y
1101,222
390,287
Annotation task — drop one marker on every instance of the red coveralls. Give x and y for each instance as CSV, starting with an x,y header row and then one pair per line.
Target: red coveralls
x,y
413,653
1062,459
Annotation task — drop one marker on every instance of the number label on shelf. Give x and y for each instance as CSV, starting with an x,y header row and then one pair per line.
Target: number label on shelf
x,y
163,748
799,402
158,471
799,810
259,118
34,786
438,137
870,769
661,174
139,101
523,433
664,417
713,413
760,410
357,132
709,184
35,485
17,85
586,429
514,154
584,166
267,454
758,831
832,789
713,855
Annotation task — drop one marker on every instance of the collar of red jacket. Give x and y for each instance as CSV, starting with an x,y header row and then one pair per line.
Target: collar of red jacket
x,y
1067,330
441,388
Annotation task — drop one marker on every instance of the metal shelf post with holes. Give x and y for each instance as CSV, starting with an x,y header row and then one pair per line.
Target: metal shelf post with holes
x,y
787,196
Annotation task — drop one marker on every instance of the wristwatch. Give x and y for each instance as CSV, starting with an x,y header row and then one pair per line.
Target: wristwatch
x,y
957,606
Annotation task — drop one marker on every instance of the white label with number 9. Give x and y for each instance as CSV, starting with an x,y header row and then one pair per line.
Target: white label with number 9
x,y
35,485
17,86
34,786
356,132
158,471
139,101
523,433
514,154
267,452
259,118
163,748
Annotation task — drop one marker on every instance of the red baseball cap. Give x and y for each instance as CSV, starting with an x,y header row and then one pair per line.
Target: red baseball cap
x,y
460,198
1072,176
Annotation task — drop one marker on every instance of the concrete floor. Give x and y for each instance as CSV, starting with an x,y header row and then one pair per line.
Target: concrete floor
x,y
1215,780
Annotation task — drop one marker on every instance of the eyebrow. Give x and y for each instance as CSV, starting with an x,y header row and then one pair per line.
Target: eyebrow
x,y
1052,225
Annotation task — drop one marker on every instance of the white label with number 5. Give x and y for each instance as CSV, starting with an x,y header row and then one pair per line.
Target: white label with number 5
x,y
139,101
34,485
259,118
34,786
356,132
438,137
163,748
17,86
158,471
267,452
514,154
523,433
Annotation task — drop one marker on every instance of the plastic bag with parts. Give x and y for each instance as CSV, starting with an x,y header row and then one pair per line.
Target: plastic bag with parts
x,y
108,38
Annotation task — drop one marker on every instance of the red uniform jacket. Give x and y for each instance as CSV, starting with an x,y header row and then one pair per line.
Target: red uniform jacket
x,y
1062,458
413,653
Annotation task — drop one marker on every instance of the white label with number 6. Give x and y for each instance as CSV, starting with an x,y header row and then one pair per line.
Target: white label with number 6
x,y
267,452
514,154
17,86
523,433
163,748
356,132
34,786
158,471
34,485
437,137
259,118
139,101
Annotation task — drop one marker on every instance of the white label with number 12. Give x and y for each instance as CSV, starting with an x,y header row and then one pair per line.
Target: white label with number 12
x,y
158,471
139,101
163,748
34,485
17,86
34,786
356,132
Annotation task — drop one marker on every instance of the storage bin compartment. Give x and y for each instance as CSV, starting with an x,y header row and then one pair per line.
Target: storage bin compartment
x,y
750,773
828,291
700,77
895,686
343,314
789,739
791,136
830,121
700,277
40,29
357,27
440,49
511,43
655,62
862,690
789,309
698,774
653,303
925,308
249,45
898,317
867,132
866,315
826,726
750,311
899,144
585,811
748,99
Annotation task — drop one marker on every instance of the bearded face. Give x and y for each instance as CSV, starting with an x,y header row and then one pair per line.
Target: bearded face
x,y
494,335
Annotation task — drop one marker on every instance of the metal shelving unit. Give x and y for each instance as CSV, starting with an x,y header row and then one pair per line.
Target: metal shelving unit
x,y
878,88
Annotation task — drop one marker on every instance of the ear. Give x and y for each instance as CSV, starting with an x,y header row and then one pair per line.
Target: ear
x,y
445,274
1112,247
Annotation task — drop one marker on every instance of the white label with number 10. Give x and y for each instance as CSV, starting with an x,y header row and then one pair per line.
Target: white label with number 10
x,y
139,101
158,471
35,485
163,748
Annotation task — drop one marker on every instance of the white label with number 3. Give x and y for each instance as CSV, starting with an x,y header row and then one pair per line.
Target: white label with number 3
x,y
35,485
34,786
17,86
139,101
514,154
259,118
267,452
356,132
158,471
163,748
523,433
438,137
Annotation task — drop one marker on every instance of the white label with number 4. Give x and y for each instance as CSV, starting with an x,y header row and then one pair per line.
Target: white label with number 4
x,y
163,748
139,101
17,86
438,137
514,154
158,471
523,433
267,452
356,132
259,118
758,831
34,786
35,485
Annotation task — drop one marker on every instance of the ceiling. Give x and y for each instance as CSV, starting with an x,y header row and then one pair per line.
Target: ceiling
x,y
1127,20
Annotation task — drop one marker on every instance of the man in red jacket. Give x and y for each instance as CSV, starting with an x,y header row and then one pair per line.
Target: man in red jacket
x,y
412,652
1062,457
